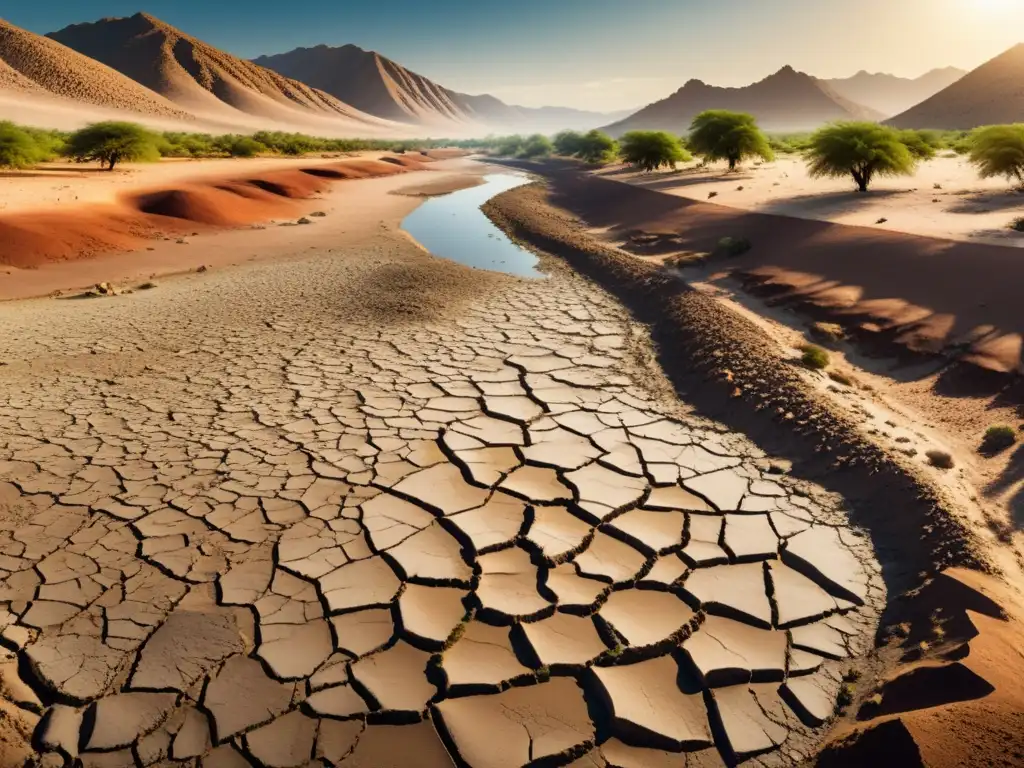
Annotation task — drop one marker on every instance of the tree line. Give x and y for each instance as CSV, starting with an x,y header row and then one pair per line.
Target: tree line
x,y
113,142
861,151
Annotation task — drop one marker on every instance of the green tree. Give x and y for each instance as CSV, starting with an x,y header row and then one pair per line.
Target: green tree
x,y
718,134
17,147
111,143
922,144
597,147
650,150
536,146
860,150
998,150
238,146
509,146
568,143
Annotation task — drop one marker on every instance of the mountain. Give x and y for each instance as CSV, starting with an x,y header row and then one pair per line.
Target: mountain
x,y
34,66
379,86
892,95
786,101
992,93
206,81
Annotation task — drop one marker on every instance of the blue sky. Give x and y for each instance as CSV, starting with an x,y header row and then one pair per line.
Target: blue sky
x,y
601,54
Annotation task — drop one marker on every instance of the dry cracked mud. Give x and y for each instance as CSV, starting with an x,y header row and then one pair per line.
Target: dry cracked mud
x,y
383,511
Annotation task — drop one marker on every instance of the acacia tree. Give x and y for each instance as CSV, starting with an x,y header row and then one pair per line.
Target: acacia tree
x,y
998,150
719,134
113,142
860,150
650,150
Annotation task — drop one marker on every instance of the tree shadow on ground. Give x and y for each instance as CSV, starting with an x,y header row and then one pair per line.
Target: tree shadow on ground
x,y
1011,479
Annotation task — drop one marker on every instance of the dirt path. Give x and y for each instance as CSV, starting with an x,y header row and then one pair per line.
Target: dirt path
x,y
333,503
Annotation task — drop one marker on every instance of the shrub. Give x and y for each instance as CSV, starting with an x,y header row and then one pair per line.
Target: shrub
x,y
999,437
650,150
814,357
998,150
243,146
17,147
828,331
509,146
860,150
840,378
1018,224
732,246
110,143
597,147
718,134
536,146
568,143
940,459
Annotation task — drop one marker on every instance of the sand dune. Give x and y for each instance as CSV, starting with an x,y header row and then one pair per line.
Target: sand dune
x,y
785,101
891,95
34,64
992,93
208,82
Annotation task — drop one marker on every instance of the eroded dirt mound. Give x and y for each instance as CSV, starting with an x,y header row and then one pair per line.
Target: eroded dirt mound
x,y
36,64
28,240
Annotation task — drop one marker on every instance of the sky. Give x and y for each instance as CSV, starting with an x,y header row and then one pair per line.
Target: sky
x,y
591,54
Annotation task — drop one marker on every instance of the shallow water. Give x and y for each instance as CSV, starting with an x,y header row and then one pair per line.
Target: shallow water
x,y
453,227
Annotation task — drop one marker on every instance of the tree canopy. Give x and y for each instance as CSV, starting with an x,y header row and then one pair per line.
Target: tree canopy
x,y
718,134
111,143
598,147
650,150
922,144
860,150
998,150
18,148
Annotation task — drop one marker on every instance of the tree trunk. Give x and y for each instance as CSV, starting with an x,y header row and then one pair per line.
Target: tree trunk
x,y
732,163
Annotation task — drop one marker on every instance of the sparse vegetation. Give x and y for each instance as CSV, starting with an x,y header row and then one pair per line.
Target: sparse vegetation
x,y
940,459
999,437
112,142
650,150
828,331
1017,224
840,378
814,357
998,150
732,246
923,145
718,134
860,150
789,143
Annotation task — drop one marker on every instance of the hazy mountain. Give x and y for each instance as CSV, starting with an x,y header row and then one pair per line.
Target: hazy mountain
x,y
785,101
379,86
201,78
992,93
892,95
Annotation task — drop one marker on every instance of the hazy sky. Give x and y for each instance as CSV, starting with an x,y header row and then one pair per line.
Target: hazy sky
x,y
596,54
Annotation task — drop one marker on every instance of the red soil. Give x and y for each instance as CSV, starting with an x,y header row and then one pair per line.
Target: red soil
x,y
921,293
28,240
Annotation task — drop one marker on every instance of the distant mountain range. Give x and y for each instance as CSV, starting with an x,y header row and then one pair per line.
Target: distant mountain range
x,y
144,67
379,86
891,95
993,93
785,101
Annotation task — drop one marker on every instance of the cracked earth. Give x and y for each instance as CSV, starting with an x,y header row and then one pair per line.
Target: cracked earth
x,y
254,518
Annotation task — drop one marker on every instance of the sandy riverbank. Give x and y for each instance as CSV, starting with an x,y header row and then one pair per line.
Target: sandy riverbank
x,y
944,199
